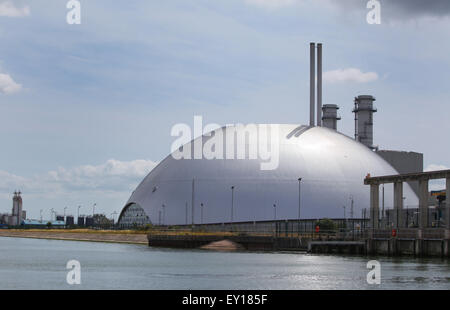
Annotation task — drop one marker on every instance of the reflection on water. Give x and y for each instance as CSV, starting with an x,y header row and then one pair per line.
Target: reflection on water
x,y
41,264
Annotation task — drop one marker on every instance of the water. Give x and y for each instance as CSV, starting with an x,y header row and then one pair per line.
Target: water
x,y
41,264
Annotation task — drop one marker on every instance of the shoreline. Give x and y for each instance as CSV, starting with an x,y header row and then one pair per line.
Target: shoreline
x,y
73,235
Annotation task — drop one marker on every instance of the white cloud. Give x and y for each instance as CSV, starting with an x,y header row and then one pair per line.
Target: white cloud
x,y
434,167
111,176
349,75
7,8
8,85
271,4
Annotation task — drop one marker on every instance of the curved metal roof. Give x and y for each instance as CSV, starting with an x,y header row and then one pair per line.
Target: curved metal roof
x,y
332,167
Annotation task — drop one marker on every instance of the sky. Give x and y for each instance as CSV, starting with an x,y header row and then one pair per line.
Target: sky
x,y
86,110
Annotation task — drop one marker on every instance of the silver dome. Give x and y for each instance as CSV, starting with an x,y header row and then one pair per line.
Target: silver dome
x,y
332,167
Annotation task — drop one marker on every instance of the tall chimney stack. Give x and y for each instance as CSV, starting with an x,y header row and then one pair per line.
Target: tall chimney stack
x,y
364,110
319,84
312,82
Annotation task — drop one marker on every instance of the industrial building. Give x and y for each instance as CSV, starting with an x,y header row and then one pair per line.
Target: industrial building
x,y
40,224
319,174
17,213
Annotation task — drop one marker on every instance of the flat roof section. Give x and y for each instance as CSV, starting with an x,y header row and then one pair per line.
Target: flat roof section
x,y
429,175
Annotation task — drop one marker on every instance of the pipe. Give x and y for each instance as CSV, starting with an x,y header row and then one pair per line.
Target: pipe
x,y
319,84
311,82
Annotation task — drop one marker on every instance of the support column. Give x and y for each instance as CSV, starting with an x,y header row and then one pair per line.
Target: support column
x,y
398,204
423,203
374,205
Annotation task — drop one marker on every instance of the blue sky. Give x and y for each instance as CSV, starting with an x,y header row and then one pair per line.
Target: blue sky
x,y
86,110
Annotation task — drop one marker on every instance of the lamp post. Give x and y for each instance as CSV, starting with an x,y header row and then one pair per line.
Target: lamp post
x,y
299,196
382,204
164,214
78,214
65,212
193,202
40,212
93,209
114,216
274,211
351,206
232,202
201,212
401,209
299,202
345,217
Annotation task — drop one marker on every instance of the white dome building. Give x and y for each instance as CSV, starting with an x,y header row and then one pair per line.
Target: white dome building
x,y
332,168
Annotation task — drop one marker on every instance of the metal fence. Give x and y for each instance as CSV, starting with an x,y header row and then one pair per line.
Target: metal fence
x,y
408,217
311,228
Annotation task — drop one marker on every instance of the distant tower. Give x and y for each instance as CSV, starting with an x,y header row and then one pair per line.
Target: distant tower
x,y
330,116
17,213
364,120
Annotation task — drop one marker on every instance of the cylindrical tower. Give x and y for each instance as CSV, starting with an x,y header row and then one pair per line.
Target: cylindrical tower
x,y
364,120
319,84
17,208
330,116
312,82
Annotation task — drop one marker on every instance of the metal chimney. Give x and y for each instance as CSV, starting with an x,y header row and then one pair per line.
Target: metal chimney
x,y
312,82
330,116
319,84
364,120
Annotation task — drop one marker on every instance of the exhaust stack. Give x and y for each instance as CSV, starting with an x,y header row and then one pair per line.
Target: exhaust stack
x,y
364,110
312,61
319,84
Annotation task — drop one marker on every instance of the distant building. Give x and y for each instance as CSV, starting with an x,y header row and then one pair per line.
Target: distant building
x,y
69,220
17,209
17,214
36,223
80,221
89,221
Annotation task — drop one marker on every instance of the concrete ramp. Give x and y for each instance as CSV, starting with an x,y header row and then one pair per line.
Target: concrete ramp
x,y
223,245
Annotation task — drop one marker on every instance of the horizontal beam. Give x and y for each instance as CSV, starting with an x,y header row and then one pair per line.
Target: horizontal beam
x,y
430,175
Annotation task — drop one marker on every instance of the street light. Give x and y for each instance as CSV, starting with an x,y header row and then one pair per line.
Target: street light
x,y
93,209
193,202
351,206
232,202
382,209
345,217
78,214
114,216
201,212
407,211
65,212
299,202
41,214
164,213
274,212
